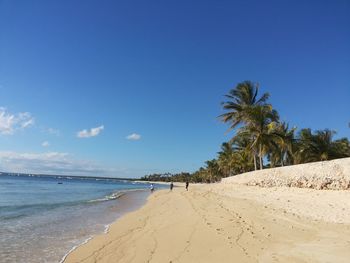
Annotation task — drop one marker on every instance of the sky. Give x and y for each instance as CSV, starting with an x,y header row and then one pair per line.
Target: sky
x,y
128,88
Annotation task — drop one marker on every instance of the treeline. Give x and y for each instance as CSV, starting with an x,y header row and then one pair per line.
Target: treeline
x,y
260,136
168,177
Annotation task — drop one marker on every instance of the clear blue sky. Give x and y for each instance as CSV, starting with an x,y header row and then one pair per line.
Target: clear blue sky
x,y
159,69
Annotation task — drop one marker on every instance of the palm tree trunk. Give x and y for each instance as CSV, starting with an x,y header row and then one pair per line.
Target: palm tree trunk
x,y
260,157
255,167
282,156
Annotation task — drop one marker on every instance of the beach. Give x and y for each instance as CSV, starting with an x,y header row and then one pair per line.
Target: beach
x,y
228,223
174,131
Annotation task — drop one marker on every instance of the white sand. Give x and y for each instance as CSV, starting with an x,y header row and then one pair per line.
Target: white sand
x,y
231,222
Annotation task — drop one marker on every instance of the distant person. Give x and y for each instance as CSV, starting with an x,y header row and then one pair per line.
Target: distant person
x,y
152,188
171,186
187,183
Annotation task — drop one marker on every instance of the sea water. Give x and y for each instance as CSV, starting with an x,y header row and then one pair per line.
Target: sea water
x,y
44,217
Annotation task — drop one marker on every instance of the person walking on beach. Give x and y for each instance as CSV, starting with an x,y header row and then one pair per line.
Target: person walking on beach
x,y
187,183
171,186
152,188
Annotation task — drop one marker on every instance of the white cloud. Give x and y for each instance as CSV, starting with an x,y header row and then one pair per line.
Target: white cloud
x,y
90,133
9,122
45,144
49,163
133,137
59,163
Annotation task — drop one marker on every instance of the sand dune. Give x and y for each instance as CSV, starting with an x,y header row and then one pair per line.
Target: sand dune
x,y
332,175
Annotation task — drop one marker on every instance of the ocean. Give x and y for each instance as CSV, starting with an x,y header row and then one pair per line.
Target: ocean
x,y
42,218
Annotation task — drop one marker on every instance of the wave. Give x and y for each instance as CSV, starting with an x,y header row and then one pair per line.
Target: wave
x,y
11,217
115,195
107,197
9,212
37,206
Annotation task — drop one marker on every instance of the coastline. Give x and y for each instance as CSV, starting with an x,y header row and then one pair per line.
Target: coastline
x,y
126,206
211,223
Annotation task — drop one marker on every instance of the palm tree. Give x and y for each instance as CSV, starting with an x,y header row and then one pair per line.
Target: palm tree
x,y
282,147
213,170
226,159
244,153
243,96
262,120
320,146
341,148
240,100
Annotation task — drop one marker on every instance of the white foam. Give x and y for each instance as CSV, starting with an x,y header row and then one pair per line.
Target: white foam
x,y
108,197
106,230
107,227
74,248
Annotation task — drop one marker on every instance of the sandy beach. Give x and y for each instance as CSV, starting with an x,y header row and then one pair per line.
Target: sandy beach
x,y
228,223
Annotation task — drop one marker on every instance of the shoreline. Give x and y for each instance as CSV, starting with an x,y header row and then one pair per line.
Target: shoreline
x,y
105,231
210,223
75,247
44,221
125,210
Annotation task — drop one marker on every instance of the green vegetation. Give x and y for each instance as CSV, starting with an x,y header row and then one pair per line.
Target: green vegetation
x,y
260,136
